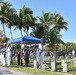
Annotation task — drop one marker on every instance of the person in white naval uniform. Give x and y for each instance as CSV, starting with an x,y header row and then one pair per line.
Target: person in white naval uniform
x,y
8,54
2,56
38,51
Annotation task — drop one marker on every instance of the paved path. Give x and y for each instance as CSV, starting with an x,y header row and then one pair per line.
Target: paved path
x,y
6,71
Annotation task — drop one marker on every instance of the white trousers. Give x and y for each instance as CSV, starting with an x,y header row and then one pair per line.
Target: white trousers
x,y
38,59
8,59
2,59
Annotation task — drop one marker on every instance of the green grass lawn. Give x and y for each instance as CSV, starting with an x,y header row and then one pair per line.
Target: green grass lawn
x,y
31,70
35,71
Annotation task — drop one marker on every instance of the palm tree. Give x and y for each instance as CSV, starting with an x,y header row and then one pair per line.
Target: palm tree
x,y
45,22
4,13
26,15
58,22
18,23
24,19
53,37
41,29
54,34
37,31
11,19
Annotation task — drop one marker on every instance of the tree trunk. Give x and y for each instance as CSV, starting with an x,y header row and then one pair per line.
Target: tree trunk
x,y
4,30
27,32
11,33
21,32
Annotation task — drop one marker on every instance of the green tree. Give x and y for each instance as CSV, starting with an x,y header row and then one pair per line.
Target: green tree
x,y
45,22
41,29
58,22
27,19
37,31
11,19
68,47
5,40
4,13
18,23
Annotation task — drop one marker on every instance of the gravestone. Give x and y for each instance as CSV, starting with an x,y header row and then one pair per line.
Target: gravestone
x,y
64,65
35,64
53,65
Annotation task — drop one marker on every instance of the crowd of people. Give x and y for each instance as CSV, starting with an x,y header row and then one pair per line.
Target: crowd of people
x,y
6,55
37,54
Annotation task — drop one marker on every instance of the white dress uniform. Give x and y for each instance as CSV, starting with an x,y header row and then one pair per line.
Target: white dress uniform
x,y
38,51
8,55
1,58
3,61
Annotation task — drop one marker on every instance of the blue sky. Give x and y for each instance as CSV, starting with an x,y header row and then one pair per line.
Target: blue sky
x,y
67,9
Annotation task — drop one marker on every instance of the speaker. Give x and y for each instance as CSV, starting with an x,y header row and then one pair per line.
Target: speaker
x,y
42,41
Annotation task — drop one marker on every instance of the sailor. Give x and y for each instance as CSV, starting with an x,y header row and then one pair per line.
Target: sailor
x,y
1,56
4,54
8,54
38,51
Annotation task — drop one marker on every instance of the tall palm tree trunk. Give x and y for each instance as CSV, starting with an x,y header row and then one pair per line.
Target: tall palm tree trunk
x,y
27,32
12,45
4,30
11,33
21,32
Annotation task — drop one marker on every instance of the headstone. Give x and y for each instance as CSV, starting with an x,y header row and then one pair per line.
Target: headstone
x,y
35,64
53,65
62,62
74,62
64,67
43,66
